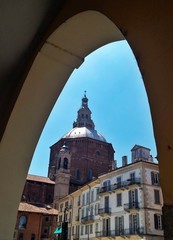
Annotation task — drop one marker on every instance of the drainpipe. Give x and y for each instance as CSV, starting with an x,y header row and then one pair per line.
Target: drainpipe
x,y
71,224
144,198
89,187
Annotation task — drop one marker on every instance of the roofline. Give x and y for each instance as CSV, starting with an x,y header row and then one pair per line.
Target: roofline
x,y
80,138
37,180
139,146
130,164
98,178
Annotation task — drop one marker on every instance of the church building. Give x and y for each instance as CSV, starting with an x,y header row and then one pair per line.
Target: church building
x,y
89,152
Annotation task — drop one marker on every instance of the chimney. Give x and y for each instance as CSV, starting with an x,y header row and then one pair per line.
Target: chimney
x,y
124,161
114,165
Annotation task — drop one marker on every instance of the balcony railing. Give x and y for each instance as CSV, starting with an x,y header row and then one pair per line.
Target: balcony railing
x,y
87,219
132,205
104,211
122,232
120,185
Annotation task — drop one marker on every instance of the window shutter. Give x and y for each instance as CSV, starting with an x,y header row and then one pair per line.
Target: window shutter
x,y
157,196
152,178
137,221
162,221
136,196
130,222
155,221
104,225
158,178
130,196
122,221
116,224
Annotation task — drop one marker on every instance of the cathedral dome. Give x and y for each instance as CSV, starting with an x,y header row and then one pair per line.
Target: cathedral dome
x,y
78,132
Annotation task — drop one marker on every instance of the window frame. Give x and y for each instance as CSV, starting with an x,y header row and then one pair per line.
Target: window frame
x,y
157,196
119,199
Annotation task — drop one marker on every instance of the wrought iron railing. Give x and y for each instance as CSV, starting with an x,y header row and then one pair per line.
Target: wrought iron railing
x,y
131,205
104,211
87,219
119,185
121,232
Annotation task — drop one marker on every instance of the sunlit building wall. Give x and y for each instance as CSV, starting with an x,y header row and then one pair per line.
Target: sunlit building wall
x,y
126,202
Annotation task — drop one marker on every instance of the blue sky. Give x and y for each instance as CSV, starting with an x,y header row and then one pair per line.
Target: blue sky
x,y
117,99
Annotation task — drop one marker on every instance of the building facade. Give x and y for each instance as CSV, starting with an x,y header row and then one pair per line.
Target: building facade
x,y
91,154
36,218
124,203
38,190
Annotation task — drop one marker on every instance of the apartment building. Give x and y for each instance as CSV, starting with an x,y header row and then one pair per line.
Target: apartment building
x,y
124,203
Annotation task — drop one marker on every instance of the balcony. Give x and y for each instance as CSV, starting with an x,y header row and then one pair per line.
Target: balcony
x,y
121,185
122,232
134,181
104,211
87,219
131,206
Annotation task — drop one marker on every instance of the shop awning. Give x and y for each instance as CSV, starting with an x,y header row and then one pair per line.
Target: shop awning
x,y
58,231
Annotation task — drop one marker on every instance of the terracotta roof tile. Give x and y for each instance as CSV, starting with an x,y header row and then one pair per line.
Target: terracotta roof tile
x,y
26,207
39,179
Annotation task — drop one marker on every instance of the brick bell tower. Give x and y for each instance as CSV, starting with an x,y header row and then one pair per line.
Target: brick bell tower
x,y
62,176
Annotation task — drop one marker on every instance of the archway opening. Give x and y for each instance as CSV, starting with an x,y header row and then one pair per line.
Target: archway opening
x,y
117,99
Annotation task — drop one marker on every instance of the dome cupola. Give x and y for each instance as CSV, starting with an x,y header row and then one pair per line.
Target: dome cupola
x,y
84,125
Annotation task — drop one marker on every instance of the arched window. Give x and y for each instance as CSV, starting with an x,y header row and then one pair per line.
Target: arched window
x,y
90,174
78,174
97,153
65,163
22,222
59,163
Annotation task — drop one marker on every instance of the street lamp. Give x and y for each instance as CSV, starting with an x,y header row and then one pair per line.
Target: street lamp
x,y
65,226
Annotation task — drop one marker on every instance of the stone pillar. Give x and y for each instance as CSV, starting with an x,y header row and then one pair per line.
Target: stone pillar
x,y
168,221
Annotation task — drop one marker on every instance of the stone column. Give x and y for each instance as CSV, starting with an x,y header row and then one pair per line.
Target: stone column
x,y
168,221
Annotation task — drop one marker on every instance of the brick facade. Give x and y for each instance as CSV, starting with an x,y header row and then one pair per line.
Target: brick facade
x,y
37,190
87,154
